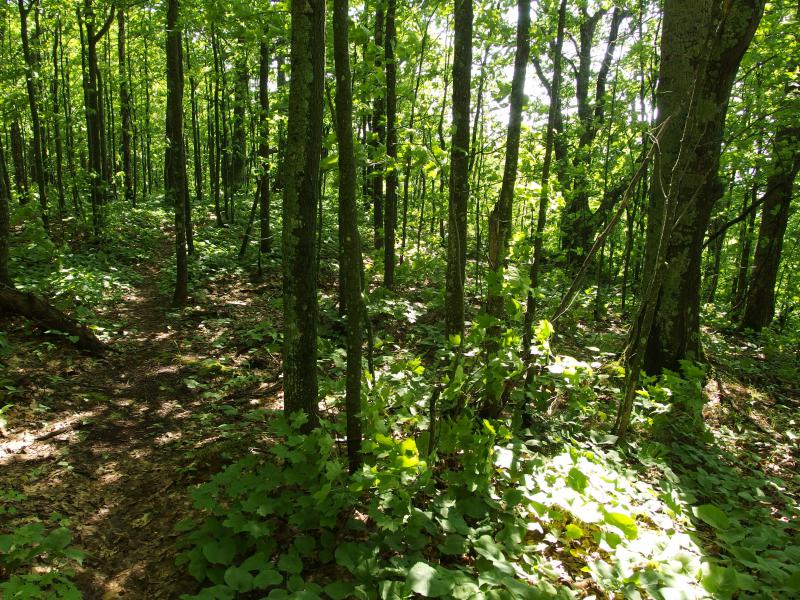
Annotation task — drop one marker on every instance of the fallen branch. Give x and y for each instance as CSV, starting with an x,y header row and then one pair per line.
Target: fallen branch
x,y
14,302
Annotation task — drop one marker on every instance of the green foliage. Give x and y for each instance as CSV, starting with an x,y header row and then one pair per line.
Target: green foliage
x,y
36,562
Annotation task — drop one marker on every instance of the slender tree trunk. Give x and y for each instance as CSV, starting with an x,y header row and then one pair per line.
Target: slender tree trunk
x,y
501,215
5,235
379,136
18,156
30,83
239,130
176,181
265,237
760,300
390,222
301,169
196,148
57,139
348,226
124,109
544,196
459,171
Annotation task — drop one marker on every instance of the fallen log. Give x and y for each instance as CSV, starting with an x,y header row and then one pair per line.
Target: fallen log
x,y
30,306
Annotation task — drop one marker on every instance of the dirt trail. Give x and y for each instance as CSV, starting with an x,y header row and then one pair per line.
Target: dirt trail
x,y
114,461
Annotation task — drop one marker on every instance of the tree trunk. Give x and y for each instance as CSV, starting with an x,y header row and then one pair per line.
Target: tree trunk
x,y
378,137
701,47
348,226
544,196
56,120
390,221
239,131
500,217
265,237
18,156
301,169
13,302
38,139
124,109
760,301
5,234
176,180
459,171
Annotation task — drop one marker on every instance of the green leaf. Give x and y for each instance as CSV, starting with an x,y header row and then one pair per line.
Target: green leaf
x,y
267,578
577,480
290,563
428,581
238,579
220,552
624,523
573,532
711,515
454,545
339,590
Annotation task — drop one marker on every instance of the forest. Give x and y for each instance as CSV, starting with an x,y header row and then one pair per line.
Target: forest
x,y
470,299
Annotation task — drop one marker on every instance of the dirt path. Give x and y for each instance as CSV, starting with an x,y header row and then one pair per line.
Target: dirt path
x,y
123,444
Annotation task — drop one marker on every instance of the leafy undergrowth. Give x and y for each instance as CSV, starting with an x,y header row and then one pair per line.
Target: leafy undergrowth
x,y
498,510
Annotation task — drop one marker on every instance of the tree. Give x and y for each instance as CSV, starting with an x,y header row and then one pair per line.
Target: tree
x,y
31,68
5,235
348,228
265,237
301,189
760,299
701,46
501,215
124,108
93,104
176,166
459,171
390,218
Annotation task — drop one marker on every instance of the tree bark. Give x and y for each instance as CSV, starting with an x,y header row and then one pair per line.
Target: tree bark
x,y
124,109
760,301
13,302
459,171
501,215
301,169
265,237
38,140
348,227
701,47
378,137
176,180
390,220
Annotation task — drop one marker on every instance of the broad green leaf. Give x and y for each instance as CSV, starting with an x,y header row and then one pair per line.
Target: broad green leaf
x,y
711,515
624,523
267,578
290,563
573,532
577,480
428,581
220,552
339,590
238,579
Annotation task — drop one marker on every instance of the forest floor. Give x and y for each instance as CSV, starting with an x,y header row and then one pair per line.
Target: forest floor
x,y
109,446
112,444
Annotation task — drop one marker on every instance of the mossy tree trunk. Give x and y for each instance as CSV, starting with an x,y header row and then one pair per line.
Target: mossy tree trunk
x,y
701,46
348,229
760,300
301,189
459,170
